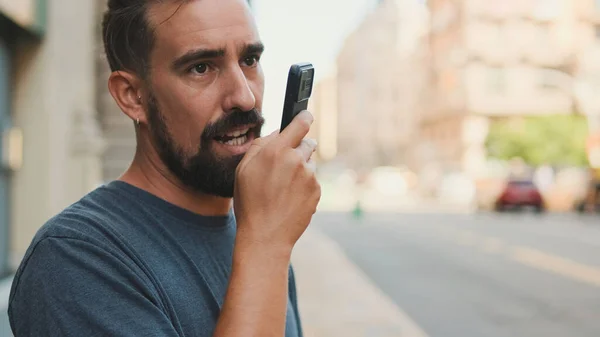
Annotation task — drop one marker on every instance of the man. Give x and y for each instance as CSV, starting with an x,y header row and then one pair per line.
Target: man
x,y
165,250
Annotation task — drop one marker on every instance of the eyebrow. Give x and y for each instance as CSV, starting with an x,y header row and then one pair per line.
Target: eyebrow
x,y
200,54
254,48
197,54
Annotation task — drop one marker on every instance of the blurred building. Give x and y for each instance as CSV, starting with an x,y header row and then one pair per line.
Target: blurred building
x,y
380,78
588,77
494,59
50,141
117,128
323,106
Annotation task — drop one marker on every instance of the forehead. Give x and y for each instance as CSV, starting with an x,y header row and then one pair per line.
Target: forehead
x,y
180,25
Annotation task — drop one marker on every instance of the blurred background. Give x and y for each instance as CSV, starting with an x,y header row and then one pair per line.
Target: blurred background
x,y
459,155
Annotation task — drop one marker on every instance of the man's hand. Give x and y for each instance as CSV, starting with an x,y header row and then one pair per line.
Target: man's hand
x,y
276,191
276,194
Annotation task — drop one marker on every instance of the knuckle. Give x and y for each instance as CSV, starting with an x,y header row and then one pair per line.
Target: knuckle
x,y
316,199
309,170
304,153
310,144
293,160
271,153
318,190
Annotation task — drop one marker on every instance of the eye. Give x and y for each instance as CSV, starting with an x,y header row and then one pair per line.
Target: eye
x,y
200,68
251,61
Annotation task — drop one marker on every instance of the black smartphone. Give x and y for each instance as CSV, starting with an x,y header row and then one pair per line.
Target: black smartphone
x,y
298,91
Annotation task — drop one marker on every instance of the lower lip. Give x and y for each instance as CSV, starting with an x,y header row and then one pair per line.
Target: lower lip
x,y
236,149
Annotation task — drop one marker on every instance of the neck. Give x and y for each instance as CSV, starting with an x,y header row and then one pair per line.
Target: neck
x,y
152,176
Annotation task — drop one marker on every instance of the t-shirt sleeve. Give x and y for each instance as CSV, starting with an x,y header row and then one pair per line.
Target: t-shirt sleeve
x,y
294,299
71,287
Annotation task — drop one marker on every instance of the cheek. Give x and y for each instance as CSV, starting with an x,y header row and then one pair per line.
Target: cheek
x,y
257,86
188,129
185,117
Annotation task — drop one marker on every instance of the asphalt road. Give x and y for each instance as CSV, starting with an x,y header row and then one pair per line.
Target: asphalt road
x,y
483,275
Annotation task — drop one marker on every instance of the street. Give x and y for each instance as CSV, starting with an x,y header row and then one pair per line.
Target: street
x,y
480,275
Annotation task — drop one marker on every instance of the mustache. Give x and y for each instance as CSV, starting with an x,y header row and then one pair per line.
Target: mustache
x,y
233,119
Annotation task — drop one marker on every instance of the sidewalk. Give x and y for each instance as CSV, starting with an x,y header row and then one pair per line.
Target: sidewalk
x,y
337,299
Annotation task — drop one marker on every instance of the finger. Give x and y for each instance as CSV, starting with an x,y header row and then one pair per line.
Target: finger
x,y
306,148
260,143
298,129
256,146
267,139
311,165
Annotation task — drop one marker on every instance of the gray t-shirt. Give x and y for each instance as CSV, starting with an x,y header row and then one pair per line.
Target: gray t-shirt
x,y
122,262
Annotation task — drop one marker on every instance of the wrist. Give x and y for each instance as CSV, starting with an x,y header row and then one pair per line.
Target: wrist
x,y
254,250
251,240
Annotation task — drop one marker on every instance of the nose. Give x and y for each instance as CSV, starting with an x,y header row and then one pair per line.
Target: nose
x,y
239,95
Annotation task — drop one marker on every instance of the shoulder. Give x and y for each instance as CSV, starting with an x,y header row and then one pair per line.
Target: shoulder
x,y
79,250
83,259
72,284
86,230
93,218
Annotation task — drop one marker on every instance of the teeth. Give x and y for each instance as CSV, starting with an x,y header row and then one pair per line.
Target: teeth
x,y
237,133
237,141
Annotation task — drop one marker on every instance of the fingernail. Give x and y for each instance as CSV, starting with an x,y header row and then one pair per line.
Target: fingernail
x,y
307,116
312,142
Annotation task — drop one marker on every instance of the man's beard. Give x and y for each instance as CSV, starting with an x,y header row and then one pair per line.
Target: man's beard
x,y
205,171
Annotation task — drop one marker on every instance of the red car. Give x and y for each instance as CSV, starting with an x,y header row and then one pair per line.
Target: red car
x,y
518,194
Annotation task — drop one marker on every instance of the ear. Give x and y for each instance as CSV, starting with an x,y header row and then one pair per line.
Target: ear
x,y
126,89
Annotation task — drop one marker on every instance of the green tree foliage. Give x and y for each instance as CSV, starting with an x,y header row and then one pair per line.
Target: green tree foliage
x,y
555,140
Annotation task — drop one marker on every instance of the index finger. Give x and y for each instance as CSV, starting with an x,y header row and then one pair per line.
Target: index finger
x,y
293,134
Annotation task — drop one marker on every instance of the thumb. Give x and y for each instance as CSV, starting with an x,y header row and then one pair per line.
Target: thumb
x,y
258,144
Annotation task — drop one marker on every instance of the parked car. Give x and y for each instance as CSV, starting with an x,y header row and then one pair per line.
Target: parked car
x,y
518,194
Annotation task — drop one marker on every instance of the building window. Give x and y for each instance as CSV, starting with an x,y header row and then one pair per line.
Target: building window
x,y
496,80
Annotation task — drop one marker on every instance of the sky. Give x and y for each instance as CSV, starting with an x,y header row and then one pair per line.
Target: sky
x,y
301,31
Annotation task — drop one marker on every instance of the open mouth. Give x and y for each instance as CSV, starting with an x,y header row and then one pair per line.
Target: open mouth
x,y
235,138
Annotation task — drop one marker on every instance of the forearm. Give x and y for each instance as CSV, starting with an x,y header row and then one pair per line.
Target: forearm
x,y
256,300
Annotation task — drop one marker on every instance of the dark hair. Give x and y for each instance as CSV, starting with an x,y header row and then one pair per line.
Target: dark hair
x,y
127,35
